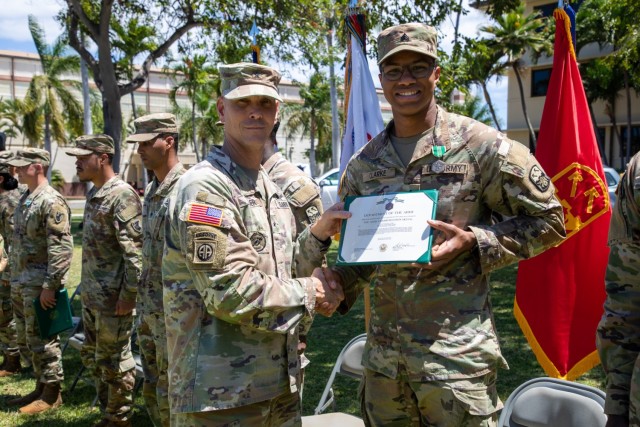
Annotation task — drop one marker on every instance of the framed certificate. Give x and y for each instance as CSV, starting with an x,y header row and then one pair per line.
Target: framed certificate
x,y
388,229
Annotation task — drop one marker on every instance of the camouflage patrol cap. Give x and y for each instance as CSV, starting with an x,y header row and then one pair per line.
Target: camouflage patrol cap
x,y
152,126
413,37
246,79
28,156
89,144
4,157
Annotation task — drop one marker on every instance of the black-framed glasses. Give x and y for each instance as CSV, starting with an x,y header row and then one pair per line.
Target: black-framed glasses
x,y
418,71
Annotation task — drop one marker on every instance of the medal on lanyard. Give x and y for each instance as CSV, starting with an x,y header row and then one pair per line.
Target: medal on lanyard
x,y
438,151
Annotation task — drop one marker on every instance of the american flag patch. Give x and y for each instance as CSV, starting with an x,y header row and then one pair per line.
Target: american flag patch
x,y
203,214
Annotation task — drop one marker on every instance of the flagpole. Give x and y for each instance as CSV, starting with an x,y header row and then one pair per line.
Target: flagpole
x,y
335,125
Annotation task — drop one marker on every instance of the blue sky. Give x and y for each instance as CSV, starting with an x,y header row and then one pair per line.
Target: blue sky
x,y
15,36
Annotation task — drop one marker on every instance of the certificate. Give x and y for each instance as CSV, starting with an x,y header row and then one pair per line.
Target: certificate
x,y
390,228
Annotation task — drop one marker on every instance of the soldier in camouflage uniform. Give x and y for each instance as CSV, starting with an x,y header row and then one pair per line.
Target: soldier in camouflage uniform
x,y
111,264
40,260
618,336
9,197
232,309
157,136
303,195
432,352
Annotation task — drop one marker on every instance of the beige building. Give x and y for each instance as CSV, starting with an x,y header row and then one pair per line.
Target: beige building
x,y
17,69
535,82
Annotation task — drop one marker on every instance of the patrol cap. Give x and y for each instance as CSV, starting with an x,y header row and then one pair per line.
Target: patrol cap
x,y
152,126
246,79
28,156
4,157
89,144
412,37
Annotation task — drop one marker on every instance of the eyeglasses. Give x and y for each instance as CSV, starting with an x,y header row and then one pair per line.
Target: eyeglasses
x,y
418,71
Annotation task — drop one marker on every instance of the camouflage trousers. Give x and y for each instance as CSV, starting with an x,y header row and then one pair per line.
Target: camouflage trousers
x,y
8,339
634,395
17,303
282,411
106,353
152,340
46,354
389,402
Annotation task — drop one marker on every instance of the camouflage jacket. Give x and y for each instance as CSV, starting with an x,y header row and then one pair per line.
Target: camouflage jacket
x,y
438,324
232,309
301,191
111,245
8,202
42,243
618,335
154,209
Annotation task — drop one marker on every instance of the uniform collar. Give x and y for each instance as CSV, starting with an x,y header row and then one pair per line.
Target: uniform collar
x,y
165,187
104,190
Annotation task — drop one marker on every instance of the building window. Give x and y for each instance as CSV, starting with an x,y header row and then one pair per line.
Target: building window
x,y
540,81
635,139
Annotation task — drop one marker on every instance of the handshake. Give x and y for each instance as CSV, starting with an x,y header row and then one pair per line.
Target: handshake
x,y
329,291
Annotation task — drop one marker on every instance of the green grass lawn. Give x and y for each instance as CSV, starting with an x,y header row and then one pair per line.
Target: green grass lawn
x,y
326,339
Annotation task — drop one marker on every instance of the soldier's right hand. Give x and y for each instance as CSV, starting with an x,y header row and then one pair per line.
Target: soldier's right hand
x,y
329,292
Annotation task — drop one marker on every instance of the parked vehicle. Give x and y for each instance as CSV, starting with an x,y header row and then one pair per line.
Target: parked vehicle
x,y
613,178
328,183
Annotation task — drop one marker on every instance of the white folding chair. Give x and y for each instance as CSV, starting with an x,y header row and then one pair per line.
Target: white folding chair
x,y
543,402
349,363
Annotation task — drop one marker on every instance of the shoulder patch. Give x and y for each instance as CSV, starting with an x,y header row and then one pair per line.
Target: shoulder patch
x,y
206,248
58,219
129,212
299,193
204,214
539,178
313,213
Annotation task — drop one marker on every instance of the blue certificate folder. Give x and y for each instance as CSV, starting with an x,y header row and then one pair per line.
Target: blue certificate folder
x,y
388,229
54,320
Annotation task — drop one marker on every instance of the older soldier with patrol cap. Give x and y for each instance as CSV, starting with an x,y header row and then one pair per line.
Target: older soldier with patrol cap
x,y
157,138
9,197
111,264
618,336
432,352
40,260
232,308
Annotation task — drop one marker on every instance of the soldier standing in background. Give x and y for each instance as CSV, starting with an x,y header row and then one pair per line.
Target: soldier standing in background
x,y
232,308
303,196
111,264
40,261
432,352
9,198
157,138
618,336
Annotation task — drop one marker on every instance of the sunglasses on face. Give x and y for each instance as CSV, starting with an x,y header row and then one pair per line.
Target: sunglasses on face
x,y
418,71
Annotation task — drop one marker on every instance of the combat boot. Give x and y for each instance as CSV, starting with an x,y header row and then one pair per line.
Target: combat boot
x,y
29,397
50,398
10,366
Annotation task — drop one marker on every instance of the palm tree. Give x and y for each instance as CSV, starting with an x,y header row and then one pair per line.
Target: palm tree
x,y
313,116
49,94
482,64
11,117
513,35
474,108
196,77
206,130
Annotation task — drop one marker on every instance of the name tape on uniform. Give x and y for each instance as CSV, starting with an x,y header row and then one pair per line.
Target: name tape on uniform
x,y
451,168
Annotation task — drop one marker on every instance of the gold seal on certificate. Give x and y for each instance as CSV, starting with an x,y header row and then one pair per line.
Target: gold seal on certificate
x,y
389,228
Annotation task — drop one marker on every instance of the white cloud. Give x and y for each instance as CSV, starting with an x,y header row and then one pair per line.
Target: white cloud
x,y
14,18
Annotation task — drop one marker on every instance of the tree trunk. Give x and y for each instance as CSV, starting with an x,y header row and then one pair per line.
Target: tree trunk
x,y
312,151
47,141
603,153
112,115
532,134
487,99
628,92
193,129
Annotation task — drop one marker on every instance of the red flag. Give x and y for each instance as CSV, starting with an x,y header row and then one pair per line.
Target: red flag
x,y
559,294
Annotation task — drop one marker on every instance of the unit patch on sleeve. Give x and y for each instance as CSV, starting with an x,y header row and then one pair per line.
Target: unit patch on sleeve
x,y
539,178
204,214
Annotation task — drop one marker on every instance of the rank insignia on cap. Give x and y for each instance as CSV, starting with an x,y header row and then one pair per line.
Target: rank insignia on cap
x,y
203,214
404,38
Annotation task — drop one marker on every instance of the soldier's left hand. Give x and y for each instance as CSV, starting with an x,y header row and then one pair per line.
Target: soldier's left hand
x,y
329,222
47,298
456,242
124,307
